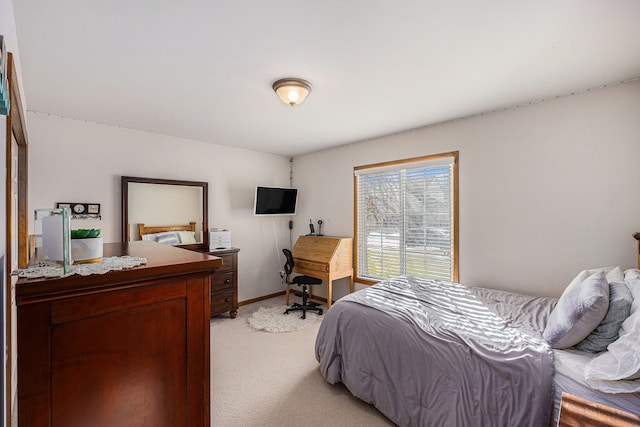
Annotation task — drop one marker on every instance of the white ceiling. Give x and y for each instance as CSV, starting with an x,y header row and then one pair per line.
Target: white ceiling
x,y
203,69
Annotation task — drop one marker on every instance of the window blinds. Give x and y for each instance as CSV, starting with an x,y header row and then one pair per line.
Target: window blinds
x,y
405,219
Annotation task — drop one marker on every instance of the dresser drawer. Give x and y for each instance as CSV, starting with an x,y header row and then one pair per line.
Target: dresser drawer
x,y
221,302
227,263
222,282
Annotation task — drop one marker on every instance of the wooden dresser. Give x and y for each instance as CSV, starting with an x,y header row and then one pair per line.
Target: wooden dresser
x,y
323,257
224,283
126,348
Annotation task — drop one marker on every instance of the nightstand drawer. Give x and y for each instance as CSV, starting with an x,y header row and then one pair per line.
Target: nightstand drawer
x,y
222,282
227,263
221,302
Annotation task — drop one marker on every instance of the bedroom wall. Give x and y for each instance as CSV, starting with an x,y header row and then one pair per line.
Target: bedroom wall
x,y
78,161
546,190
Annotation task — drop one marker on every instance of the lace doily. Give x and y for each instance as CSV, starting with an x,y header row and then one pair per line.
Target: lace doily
x,y
49,269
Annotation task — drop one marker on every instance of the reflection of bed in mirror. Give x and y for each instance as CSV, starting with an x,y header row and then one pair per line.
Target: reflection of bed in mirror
x,y
166,211
170,234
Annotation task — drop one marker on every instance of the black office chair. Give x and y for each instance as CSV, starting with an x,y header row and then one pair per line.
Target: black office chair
x,y
303,281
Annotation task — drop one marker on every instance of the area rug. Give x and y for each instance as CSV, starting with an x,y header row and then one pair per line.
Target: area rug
x,y
273,319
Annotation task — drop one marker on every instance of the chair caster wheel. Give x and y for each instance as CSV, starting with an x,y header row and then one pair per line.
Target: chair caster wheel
x,y
286,312
320,312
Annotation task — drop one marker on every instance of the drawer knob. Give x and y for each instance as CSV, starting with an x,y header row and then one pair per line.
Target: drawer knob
x,y
227,281
227,299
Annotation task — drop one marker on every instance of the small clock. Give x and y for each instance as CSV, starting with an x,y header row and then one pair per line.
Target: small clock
x,y
78,208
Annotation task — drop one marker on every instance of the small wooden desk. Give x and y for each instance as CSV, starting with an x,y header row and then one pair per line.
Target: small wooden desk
x,y
323,257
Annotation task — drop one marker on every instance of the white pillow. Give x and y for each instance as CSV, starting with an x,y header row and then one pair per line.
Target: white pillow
x,y
617,370
580,309
187,237
149,237
581,277
614,274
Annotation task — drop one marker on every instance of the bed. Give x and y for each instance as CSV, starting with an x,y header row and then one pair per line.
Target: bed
x,y
169,234
431,353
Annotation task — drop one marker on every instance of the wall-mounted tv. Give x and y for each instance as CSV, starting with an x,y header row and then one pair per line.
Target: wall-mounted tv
x,y
275,201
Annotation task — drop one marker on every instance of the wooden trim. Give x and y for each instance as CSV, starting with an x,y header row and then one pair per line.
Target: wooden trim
x,y
23,206
409,160
456,208
456,215
163,228
18,120
7,279
262,298
355,229
19,130
278,294
16,126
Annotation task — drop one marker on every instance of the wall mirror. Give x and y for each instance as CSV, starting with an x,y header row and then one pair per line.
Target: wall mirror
x,y
166,211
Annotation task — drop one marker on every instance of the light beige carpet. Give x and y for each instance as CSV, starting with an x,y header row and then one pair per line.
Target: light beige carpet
x,y
272,379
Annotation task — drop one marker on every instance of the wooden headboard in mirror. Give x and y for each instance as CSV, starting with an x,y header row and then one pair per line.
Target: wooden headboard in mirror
x,y
152,205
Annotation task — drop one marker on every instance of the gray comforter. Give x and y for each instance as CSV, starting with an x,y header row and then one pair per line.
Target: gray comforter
x,y
430,353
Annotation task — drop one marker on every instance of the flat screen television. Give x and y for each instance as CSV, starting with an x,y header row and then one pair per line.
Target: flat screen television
x,y
275,201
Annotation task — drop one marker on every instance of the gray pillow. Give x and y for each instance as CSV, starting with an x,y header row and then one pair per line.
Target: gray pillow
x,y
167,238
620,300
580,309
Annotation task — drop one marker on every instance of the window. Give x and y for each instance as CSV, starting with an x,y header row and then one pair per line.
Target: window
x,y
406,218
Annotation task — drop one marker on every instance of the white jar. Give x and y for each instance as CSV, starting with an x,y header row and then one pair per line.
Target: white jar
x,y
86,250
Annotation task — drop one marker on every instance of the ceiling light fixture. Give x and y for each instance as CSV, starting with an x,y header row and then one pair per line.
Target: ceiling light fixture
x,y
292,90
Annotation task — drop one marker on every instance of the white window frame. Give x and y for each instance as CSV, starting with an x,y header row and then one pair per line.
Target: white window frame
x,y
364,249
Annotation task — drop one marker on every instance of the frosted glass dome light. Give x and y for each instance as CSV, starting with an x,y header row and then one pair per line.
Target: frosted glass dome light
x,y
291,90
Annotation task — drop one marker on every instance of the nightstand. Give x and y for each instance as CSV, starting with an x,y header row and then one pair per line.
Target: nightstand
x,y
578,412
224,283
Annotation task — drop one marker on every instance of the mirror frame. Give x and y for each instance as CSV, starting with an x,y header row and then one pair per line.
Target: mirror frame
x,y
16,126
125,180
